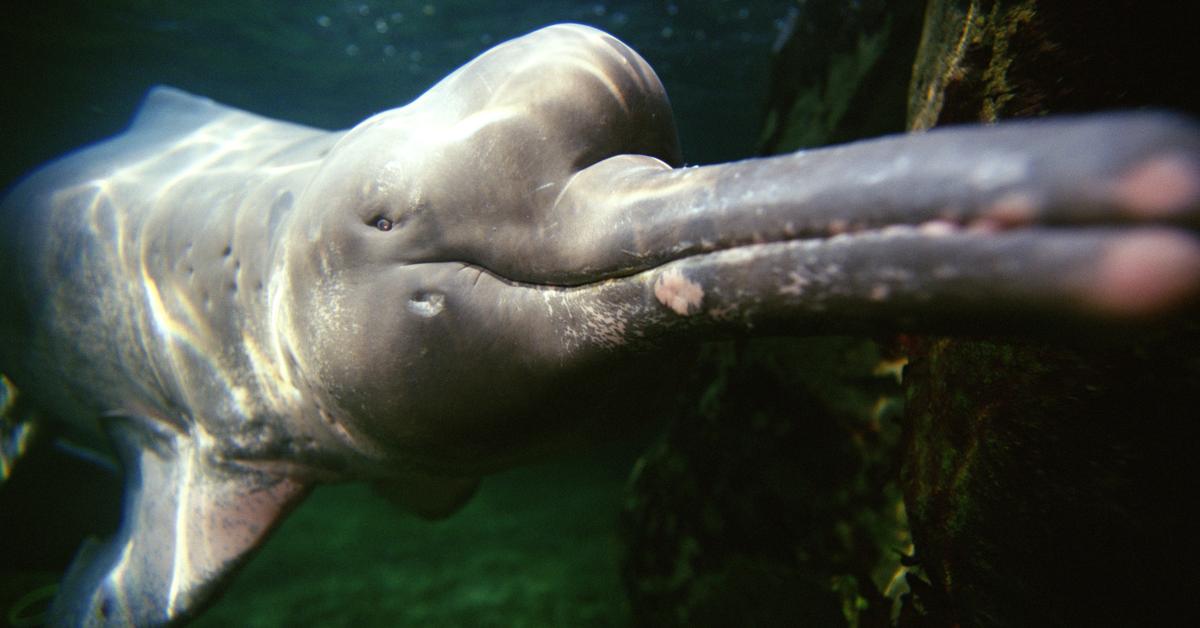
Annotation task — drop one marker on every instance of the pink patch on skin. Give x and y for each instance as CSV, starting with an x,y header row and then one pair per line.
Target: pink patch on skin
x,y
1016,209
1148,272
677,292
937,228
1160,186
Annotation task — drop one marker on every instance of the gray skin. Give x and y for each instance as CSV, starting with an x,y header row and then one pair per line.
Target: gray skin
x,y
501,269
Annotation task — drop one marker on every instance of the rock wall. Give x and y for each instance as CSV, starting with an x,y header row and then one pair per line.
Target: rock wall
x,y
1044,482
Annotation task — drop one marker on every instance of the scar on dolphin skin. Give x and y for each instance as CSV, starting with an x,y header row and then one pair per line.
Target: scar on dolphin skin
x,y
679,293
369,354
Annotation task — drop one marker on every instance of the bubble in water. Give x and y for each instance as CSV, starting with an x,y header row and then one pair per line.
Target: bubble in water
x,y
396,17
381,25
363,9
743,13
485,38
323,21
672,8
620,18
667,31
429,9
599,10
389,51
351,50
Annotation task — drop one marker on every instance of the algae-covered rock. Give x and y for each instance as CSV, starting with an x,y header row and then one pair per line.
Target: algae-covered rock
x,y
1047,483
985,60
772,500
840,71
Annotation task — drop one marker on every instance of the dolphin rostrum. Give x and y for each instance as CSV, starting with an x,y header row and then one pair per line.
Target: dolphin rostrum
x,y
248,307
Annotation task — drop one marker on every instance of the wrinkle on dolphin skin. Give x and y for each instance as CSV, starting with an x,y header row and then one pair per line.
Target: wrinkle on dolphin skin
x,y
504,267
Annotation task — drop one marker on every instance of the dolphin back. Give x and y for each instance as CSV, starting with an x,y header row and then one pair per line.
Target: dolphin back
x,y
167,108
139,267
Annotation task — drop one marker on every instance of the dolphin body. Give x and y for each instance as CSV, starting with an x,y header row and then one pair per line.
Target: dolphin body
x,y
248,307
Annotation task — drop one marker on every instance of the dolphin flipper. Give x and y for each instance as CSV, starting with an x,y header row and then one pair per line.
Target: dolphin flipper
x,y
190,519
427,496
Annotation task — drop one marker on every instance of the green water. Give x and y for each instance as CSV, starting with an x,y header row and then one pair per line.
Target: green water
x,y
537,546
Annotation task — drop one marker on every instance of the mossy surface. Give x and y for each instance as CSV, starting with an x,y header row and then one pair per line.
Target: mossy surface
x,y
1042,478
1027,464
771,500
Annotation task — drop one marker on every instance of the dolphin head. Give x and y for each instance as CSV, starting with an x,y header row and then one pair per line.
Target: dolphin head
x,y
510,259
420,287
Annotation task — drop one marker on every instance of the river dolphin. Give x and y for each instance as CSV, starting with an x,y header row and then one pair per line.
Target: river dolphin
x,y
503,267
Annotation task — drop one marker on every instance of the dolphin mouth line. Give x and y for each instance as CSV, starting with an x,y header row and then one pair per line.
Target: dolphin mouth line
x,y
930,232
911,276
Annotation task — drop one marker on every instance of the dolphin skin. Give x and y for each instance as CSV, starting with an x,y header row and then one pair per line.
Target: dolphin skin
x,y
502,268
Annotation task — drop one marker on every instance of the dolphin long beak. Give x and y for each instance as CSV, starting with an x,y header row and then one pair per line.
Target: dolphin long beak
x,y
962,229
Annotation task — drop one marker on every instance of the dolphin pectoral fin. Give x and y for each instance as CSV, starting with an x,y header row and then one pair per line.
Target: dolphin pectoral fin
x,y
189,521
429,497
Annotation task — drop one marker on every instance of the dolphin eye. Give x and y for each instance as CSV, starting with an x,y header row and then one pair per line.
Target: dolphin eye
x,y
383,224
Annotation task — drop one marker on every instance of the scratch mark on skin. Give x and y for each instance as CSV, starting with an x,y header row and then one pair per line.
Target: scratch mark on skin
x,y
797,285
679,293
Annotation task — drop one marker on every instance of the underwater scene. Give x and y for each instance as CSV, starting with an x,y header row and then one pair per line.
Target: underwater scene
x,y
422,313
